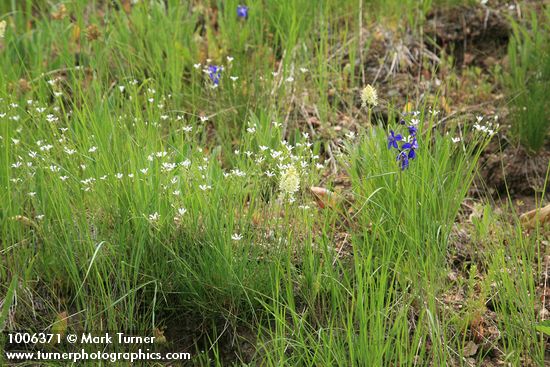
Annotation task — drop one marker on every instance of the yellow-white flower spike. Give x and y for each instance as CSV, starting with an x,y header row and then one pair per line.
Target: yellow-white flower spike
x,y
2,28
290,181
369,96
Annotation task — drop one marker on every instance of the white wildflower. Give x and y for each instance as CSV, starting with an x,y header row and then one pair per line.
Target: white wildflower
x,y
69,151
51,118
167,167
237,172
153,218
205,187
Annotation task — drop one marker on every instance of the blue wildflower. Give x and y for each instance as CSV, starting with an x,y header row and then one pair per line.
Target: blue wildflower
x,y
411,154
393,139
411,147
214,72
403,157
242,11
406,146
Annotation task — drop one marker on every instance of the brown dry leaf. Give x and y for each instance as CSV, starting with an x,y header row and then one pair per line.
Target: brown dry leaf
x,y
324,197
531,218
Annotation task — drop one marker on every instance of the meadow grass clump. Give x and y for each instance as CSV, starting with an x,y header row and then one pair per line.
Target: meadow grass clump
x,y
528,80
404,214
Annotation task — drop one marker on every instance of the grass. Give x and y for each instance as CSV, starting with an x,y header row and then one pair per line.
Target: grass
x,y
527,81
138,197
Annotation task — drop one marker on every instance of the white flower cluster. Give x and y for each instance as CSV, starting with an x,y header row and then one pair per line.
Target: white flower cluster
x,y
488,128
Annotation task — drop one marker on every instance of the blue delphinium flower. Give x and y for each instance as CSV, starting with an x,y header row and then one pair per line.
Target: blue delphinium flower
x,y
393,139
242,11
407,150
403,157
410,147
214,72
